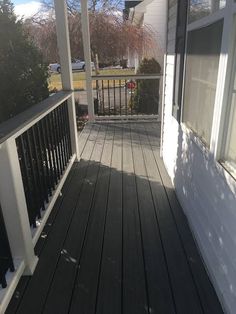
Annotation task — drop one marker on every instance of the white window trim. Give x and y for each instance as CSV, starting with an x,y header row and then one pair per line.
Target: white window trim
x,y
224,72
220,123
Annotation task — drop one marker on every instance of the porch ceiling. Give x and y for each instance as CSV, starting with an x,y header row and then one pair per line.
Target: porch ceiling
x,y
117,240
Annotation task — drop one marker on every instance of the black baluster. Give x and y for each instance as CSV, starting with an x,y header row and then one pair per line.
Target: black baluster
x,y
103,99
58,140
43,163
52,126
26,177
131,97
40,183
63,115
114,87
51,152
97,95
62,142
68,129
126,97
108,95
51,179
120,94
37,201
52,146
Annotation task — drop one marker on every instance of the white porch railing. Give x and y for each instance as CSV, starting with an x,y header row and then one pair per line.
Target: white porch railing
x,y
37,150
126,96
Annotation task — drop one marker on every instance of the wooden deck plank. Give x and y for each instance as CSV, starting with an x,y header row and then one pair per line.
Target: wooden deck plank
x,y
206,292
134,279
109,291
21,287
60,293
117,240
185,295
43,275
85,290
84,136
160,298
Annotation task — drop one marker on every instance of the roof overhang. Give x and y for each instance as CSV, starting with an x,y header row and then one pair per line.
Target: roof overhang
x,y
136,13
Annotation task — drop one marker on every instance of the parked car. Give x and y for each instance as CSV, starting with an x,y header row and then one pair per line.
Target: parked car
x,y
76,65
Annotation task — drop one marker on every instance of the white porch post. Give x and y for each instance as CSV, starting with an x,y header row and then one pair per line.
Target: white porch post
x,y
63,42
87,57
14,207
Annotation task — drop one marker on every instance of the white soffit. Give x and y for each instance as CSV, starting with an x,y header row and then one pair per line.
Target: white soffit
x,y
136,14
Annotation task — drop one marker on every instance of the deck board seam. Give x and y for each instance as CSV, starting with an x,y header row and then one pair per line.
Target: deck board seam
x,y
159,229
140,225
86,230
160,239
91,126
177,228
48,234
104,227
68,228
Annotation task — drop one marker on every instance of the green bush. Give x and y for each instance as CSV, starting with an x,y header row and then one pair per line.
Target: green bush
x,y
146,96
23,74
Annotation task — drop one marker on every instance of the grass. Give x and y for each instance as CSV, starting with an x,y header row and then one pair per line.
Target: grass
x,y
79,78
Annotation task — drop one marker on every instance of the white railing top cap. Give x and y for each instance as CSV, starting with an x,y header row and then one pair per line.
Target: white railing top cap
x,y
127,76
21,122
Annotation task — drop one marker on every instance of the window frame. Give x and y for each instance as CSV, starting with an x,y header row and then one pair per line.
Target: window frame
x,y
222,106
179,66
226,119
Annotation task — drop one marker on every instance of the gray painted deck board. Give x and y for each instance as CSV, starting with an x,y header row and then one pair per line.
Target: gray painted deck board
x,y
117,240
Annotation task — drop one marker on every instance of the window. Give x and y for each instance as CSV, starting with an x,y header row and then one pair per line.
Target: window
x,y
201,8
230,148
179,57
203,52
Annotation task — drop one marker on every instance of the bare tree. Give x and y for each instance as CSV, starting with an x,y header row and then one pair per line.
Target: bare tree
x,y
110,34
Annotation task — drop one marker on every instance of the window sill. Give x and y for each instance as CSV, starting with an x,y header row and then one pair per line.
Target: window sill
x,y
227,173
196,140
228,168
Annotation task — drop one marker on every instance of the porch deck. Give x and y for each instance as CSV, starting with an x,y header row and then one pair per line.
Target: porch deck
x,y
117,240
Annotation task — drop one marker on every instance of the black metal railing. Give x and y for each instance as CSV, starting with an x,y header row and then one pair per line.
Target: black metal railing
x,y
126,96
6,262
44,151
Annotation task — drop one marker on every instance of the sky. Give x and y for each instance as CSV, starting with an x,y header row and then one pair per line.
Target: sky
x,y
26,8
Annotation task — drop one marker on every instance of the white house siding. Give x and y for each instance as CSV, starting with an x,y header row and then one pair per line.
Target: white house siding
x,y
206,193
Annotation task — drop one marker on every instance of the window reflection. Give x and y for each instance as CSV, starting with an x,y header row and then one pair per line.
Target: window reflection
x,y
201,8
202,63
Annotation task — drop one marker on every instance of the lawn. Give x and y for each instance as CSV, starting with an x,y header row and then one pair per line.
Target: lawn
x,y
54,80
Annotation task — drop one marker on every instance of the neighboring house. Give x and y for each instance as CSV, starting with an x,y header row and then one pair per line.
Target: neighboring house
x,y
152,14
199,130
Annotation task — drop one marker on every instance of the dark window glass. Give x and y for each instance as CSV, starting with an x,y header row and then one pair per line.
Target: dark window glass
x,y
202,63
179,57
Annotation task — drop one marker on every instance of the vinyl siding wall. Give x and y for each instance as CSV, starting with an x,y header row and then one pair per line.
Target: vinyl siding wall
x,y
207,194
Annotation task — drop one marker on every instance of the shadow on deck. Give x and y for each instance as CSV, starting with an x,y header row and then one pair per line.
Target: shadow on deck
x,y
117,240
